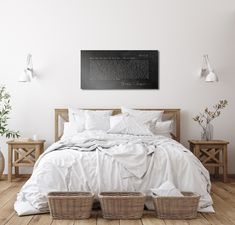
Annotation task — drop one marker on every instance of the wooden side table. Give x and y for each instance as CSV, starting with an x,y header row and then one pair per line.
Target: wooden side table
x,y
212,154
25,154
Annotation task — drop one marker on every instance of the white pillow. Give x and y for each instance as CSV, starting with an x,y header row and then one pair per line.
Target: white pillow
x,y
130,125
114,120
145,116
163,128
77,116
70,128
98,120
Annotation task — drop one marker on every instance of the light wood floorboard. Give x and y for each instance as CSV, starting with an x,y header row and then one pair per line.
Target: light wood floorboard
x,y
42,219
223,195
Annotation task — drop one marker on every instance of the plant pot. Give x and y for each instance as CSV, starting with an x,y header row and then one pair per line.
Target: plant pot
x,y
2,163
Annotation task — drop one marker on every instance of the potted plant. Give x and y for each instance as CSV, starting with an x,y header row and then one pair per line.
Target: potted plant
x,y
5,109
204,119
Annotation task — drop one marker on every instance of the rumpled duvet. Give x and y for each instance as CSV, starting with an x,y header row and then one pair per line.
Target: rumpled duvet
x,y
96,161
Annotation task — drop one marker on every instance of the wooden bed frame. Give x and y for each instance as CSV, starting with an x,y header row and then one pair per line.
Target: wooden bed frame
x,y
61,116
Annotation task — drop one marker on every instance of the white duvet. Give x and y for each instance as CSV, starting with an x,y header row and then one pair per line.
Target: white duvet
x,y
96,161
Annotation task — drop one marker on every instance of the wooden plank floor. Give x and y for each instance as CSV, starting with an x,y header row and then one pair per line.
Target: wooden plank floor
x,y
222,194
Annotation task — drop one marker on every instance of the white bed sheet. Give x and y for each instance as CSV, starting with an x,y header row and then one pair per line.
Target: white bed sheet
x,y
96,161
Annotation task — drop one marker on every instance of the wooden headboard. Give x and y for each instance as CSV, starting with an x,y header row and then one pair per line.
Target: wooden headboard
x,y
61,116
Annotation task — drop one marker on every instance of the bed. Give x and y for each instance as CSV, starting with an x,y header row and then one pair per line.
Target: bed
x,y
99,161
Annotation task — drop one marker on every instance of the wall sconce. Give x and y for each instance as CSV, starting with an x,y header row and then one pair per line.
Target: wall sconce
x,y
28,74
207,72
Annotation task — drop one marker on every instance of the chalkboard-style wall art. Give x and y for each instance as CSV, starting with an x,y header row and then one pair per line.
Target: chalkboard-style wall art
x,y
119,69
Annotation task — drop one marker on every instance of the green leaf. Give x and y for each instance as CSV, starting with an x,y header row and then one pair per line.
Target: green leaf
x,y
5,110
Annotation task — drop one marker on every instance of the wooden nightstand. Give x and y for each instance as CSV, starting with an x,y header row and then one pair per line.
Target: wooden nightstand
x,y
25,154
212,154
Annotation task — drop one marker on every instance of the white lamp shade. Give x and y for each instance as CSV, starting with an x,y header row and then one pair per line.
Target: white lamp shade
x,y
25,77
211,77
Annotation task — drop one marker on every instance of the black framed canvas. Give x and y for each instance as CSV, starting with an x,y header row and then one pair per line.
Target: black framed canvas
x,y
132,69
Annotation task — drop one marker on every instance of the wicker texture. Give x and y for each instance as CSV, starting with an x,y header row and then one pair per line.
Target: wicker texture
x,y
177,207
70,205
122,205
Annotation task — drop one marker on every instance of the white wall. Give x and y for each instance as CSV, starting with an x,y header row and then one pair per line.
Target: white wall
x,y
55,31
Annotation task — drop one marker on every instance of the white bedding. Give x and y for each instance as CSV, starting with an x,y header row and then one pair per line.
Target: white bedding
x,y
96,161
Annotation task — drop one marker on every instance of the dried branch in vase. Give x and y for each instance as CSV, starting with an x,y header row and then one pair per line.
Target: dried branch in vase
x,y
204,119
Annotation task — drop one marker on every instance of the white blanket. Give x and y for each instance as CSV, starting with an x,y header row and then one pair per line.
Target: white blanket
x,y
97,161
167,189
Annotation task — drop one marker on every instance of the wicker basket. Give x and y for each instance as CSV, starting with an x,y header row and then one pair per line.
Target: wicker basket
x,y
122,205
177,207
70,205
